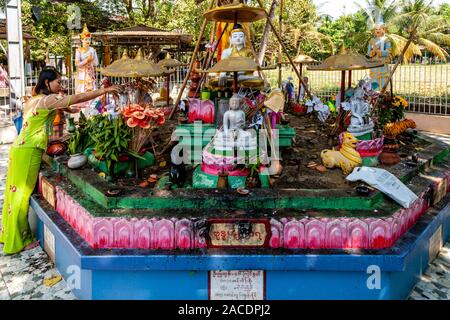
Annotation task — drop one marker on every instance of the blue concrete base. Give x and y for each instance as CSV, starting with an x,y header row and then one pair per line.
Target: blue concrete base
x,y
300,274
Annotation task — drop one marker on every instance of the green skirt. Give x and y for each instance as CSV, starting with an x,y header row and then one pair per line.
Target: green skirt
x,y
23,171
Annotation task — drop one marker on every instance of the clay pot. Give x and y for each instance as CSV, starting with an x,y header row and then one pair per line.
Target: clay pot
x,y
276,168
77,161
222,182
253,181
389,158
56,149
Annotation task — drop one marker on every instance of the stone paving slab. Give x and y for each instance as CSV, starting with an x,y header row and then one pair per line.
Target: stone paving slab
x,y
22,275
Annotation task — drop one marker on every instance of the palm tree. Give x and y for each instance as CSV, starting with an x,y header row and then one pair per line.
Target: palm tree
x,y
308,32
418,20
414,16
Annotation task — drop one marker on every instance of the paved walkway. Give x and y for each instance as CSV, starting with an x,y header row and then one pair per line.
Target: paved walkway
x,y
22,275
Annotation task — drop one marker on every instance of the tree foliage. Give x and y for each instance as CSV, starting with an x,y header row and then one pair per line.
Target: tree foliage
x,y
304,30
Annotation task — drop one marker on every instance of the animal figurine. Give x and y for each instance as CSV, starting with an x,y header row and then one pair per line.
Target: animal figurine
x,y
347,158
177,172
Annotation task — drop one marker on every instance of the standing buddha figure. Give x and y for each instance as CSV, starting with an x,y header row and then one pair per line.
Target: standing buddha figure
x,y
379,51
86,60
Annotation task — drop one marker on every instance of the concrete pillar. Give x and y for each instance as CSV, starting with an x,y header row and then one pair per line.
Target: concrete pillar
x,y
15,47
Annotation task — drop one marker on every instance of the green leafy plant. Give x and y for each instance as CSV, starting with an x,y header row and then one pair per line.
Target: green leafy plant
x,y
75,144
81,139
111,138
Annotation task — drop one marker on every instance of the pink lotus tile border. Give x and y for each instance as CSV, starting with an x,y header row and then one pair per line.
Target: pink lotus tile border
x,y
184,234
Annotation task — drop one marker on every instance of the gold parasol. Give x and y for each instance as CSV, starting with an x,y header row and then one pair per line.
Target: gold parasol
x,y
345,61
113,68
304,59
234,63
235,12
169,63
134,68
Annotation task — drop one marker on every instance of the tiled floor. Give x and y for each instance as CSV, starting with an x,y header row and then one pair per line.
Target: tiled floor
x,y
22,275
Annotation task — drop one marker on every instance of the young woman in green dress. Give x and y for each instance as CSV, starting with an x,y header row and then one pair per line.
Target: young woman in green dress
x,y
26,154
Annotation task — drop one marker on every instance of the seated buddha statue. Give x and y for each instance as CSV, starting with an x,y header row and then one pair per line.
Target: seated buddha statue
x,y
161,101
237,39
233,135
237,48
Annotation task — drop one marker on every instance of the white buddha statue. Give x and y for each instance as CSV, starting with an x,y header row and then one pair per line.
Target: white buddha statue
x,y
237,47
237,39
233,136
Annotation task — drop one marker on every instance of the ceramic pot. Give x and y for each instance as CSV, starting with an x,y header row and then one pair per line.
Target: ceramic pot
x,y
253,181
77,161
389,158
222,182
56,149
276,168
71,128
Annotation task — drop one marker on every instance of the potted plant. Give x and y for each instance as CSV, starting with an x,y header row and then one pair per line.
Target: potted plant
x,y
111,141
75,149
253,180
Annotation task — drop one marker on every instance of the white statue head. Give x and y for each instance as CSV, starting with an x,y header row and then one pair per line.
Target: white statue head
x,y
237,37
379,30
235,102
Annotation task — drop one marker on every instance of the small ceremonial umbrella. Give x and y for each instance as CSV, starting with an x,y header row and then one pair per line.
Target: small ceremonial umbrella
x,y
134,68
168,64
302,59
234,63
345,61
234,12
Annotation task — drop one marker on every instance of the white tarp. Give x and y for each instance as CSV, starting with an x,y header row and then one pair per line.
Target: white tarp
x,y
386,182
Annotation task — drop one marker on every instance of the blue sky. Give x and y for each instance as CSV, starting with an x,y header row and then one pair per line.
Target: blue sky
x,y
336,8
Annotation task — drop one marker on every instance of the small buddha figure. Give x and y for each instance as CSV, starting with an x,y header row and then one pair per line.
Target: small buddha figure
x,y
86,60
233,136
379,51
161,101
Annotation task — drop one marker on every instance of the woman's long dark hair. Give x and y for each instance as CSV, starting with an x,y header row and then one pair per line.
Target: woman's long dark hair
x,y
48,74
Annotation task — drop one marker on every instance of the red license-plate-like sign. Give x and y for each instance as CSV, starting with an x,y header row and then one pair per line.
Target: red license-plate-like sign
x,y
238,233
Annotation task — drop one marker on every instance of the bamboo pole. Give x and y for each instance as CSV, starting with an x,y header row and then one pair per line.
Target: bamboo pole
x,y
191,65
280,49
308,92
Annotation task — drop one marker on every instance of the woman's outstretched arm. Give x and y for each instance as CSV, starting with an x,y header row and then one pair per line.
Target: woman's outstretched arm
x,y
56,102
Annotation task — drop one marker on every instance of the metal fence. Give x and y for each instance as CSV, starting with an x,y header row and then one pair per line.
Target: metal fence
x,y
425,86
